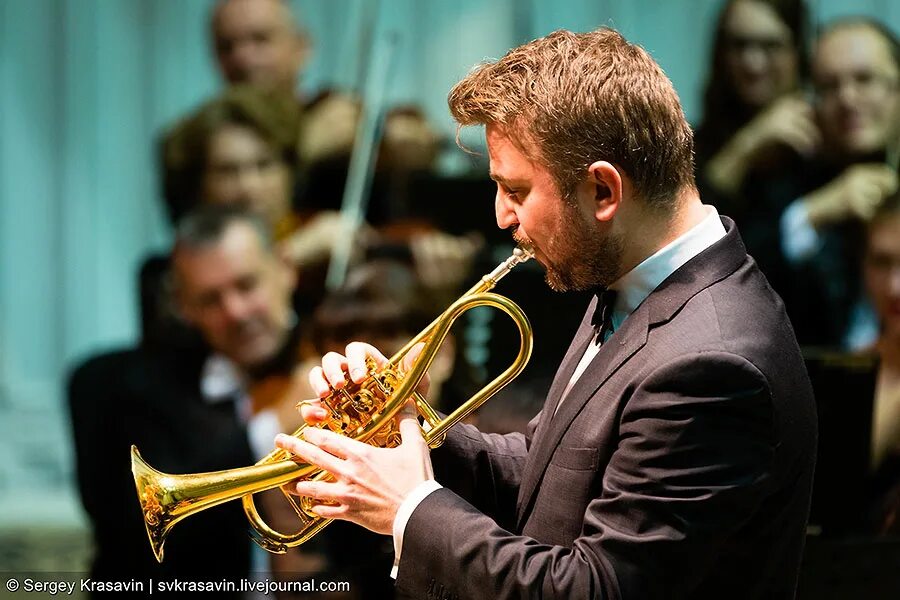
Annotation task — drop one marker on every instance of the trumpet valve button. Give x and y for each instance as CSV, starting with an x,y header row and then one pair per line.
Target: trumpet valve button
x,y
363,400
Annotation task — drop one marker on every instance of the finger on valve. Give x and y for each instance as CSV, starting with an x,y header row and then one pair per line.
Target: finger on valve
x,y
312,411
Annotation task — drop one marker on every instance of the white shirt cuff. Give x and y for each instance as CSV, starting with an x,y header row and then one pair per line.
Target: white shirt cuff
x,y
799,238
409,504
261,430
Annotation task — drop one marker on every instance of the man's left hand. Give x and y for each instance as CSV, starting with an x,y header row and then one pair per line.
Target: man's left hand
x,y
369,483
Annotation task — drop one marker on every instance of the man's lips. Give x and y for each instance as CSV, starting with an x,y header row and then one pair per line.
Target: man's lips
x,y
853,122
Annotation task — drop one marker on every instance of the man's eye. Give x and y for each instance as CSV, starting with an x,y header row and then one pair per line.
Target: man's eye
x,y
225,169
246,284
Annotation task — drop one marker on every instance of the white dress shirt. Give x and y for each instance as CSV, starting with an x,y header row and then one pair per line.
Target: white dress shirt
x,y
220,381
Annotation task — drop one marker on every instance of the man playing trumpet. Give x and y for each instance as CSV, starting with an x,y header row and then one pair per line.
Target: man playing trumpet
x,y
674,454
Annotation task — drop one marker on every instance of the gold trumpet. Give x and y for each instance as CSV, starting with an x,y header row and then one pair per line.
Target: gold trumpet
x,y
364,411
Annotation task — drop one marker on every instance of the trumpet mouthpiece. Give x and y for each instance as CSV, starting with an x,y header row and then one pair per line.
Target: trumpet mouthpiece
x,y
523,252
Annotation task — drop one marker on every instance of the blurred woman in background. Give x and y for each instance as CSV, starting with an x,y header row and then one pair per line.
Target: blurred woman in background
x,y
881,271
754,116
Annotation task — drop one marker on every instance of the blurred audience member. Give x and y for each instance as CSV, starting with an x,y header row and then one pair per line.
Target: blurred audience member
x,y
259,42
408,151
232,285
409,146
804,223
881,270
190,414
240,149
856,73
754,116
410,142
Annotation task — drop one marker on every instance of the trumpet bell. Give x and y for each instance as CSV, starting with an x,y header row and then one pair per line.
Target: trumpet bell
x,y
153,500
363,411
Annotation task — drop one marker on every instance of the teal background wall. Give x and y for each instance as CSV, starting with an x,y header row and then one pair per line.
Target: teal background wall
x,y
87,85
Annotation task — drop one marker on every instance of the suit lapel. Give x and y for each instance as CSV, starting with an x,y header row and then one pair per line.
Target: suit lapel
x,y
624,343
713,264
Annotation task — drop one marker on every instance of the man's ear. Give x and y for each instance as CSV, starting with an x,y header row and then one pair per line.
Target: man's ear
x,y
173,296
303,52
606,186
178,307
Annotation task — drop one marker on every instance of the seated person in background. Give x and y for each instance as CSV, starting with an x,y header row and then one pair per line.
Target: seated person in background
x,y
807,231
408,151
231,283
881,269
409,144
753,116
260,44
241,149
190,416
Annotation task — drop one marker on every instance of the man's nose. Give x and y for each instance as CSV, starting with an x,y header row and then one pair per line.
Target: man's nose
x,y
242,54
235,306
249,181
754,60
506,215
847,93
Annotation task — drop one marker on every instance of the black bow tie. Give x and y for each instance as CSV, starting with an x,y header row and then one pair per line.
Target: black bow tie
x,y
602,319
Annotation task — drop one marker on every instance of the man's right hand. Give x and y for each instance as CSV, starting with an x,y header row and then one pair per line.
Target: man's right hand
x,y
855,194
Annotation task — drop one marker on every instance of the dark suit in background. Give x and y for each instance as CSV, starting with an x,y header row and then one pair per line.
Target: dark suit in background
x,y
679,465
152,399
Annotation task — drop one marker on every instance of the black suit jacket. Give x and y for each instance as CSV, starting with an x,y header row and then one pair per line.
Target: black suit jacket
x,y
679,465
152,399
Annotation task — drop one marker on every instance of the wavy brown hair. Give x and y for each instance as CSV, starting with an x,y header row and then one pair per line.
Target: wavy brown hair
x,y
582,97
272,115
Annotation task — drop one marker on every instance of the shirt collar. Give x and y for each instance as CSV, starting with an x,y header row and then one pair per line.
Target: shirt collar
x,y
638,283
220,380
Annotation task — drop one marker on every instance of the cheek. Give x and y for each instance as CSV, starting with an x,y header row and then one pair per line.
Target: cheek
x,y
887,117
267,303
280,181
877,288
217,190
827,119
278,187
786,70
212,325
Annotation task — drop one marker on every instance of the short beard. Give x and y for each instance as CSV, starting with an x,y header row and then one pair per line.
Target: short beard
x,y
582,258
